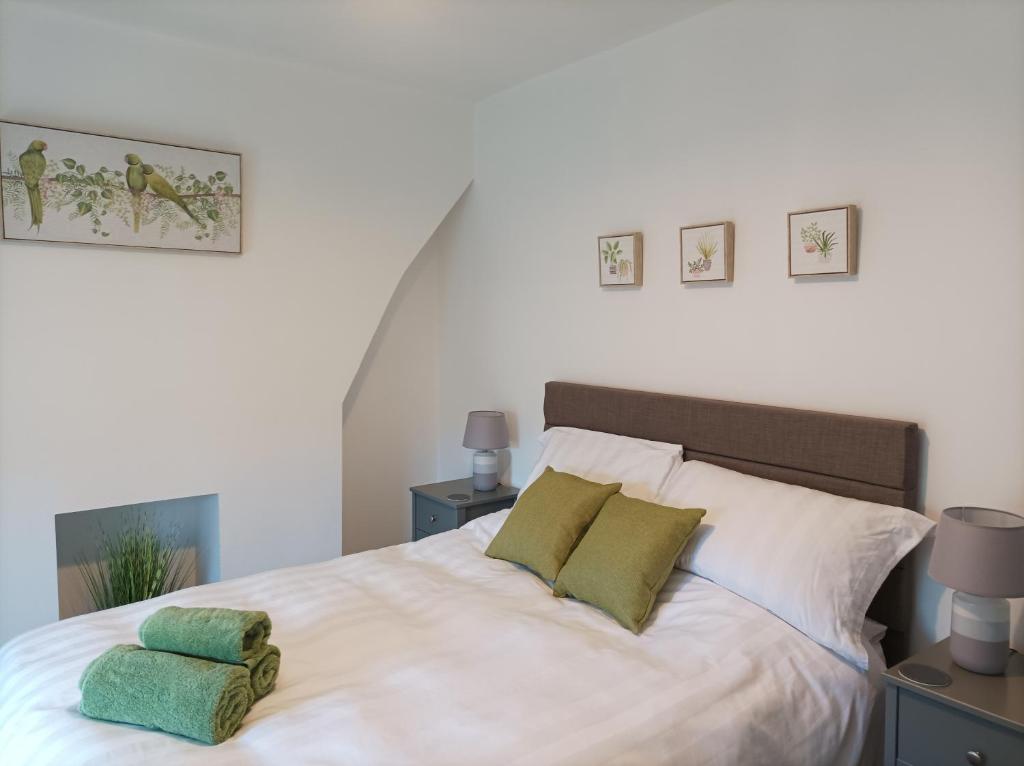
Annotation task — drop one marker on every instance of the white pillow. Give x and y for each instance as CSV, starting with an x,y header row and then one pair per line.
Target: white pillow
x,y
639,464
814,559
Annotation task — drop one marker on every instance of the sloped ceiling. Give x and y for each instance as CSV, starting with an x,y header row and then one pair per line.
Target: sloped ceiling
x,y
464,48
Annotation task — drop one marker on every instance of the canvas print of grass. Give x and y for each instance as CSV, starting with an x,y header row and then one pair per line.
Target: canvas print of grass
x,y
63,186
705,252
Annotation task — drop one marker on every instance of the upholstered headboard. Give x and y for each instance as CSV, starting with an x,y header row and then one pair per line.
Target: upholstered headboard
x,y
864,458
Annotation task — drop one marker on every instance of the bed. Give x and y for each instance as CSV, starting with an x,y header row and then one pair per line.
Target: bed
x,y
432,653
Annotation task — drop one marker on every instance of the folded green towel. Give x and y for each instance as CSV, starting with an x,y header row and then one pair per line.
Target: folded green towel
x,y
228,635
263,671
183,695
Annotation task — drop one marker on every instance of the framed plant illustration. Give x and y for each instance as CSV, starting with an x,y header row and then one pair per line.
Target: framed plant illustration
x,y
64,186
705,252
823,241
620,260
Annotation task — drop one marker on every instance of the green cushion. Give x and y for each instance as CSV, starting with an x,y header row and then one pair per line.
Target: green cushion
x,y
625,557
548,520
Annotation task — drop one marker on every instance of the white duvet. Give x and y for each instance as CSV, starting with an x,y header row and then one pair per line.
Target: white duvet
x,y
432,653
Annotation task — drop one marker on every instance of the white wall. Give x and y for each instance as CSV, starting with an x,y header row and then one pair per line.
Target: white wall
x,y
130,375
913,111
391,413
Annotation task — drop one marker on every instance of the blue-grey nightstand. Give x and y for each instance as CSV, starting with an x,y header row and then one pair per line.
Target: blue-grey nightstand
x,y
448,505
975,721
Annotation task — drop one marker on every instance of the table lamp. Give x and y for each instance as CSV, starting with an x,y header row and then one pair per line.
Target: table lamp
x,y
979,552
486,431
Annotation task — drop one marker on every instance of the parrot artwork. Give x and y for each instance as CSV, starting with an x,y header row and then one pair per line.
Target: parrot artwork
x,y
33,165
161,188
136,180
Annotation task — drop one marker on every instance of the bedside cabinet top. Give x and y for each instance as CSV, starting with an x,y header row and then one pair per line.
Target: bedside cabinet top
x,y
999,699
442,489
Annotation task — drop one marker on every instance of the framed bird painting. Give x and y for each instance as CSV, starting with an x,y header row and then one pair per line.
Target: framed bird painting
x,y
85,188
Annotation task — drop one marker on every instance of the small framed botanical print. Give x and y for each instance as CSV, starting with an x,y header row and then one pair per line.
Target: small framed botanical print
x,y
620,260
823,241
705,252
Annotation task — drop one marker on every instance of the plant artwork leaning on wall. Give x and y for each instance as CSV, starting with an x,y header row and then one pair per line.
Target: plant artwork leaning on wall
x,y
63,186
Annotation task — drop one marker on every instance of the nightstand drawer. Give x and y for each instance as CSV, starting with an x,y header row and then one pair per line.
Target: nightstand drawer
x,y
432,517
931,734
447,505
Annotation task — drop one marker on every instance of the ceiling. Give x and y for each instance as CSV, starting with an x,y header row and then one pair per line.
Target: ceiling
x,y
464,48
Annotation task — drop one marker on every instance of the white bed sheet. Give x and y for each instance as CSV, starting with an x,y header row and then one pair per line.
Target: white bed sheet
x,y
432,653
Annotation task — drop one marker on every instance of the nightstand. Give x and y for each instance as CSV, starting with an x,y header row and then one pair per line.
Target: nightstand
x,y
975,721
434,510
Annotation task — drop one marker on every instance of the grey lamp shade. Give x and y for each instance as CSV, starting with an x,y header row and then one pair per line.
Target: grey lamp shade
x,y
486,429
980,551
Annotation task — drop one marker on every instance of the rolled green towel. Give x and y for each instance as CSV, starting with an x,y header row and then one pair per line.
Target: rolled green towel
x,y
263,671
227,635
196,698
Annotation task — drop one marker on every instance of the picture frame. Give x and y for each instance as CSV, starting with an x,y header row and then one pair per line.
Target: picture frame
x,y
822,241
706,253
75,187
620,260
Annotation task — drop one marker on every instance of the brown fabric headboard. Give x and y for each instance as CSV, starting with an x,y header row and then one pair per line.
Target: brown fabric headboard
x,y
863,458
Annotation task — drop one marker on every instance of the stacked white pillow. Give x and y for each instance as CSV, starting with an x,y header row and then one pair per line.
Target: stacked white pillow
x,y
814,559
641,465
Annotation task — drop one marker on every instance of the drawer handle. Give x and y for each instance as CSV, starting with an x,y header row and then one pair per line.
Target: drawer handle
x,y
433,520
975,758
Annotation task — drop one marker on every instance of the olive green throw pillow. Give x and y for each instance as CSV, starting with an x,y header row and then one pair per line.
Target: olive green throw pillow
x,y
547,521
625,557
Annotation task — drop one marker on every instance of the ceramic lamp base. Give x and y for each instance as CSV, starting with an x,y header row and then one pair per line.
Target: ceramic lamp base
x,y
979,638
485,470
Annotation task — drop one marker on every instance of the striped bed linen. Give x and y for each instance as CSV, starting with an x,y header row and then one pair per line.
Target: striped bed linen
x,y
432,653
